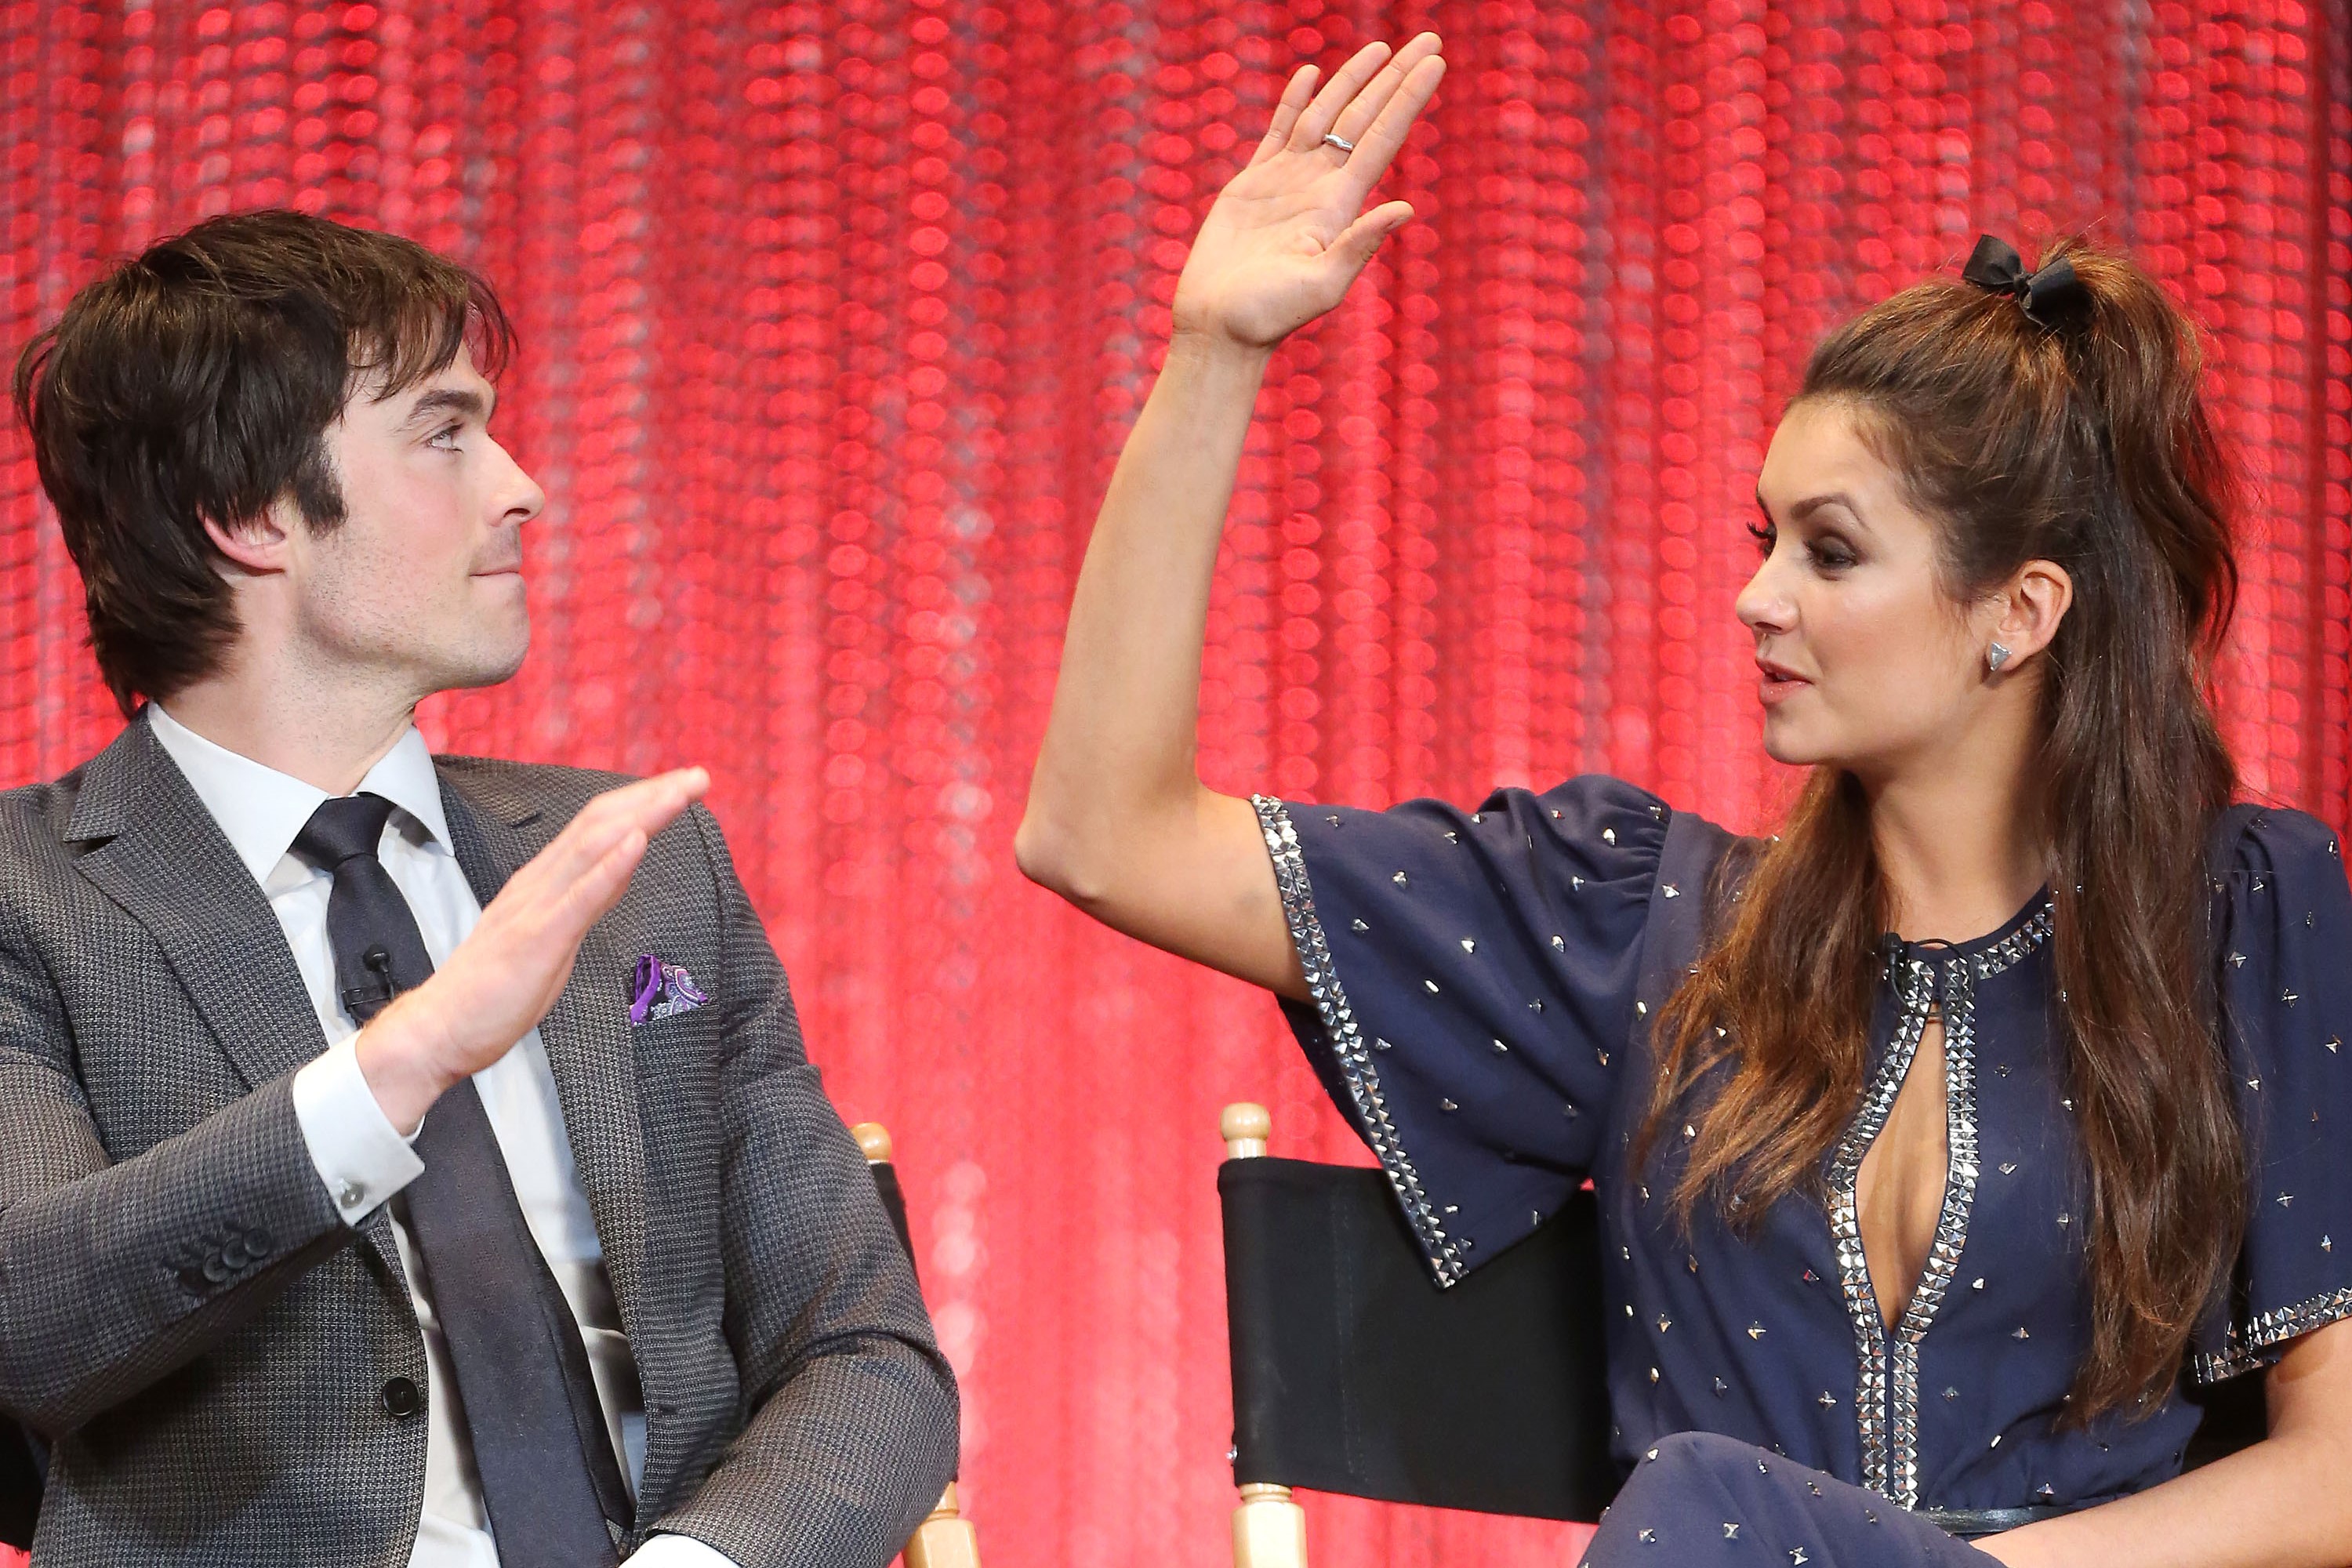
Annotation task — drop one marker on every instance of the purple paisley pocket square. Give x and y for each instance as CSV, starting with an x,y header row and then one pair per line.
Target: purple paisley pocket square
x,y
657,990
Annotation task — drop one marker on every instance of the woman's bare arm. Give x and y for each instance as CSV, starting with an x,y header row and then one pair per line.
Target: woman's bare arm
x,y
1118,821
2286,1502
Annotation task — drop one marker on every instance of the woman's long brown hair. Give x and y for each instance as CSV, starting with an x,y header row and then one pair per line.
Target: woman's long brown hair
x,y
2084,442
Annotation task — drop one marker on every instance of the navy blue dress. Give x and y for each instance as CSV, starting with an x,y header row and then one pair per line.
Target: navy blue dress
x,y
1482,987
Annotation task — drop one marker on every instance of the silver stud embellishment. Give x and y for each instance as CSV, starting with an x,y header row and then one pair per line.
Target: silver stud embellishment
x,y
1399,879
1432,985
1730,1531
2020,1332
1469,944
1358,925
1755,1331
1649,1538
1670,890
1444,1104
2009,1167
1607,835
1558,945
1501,1050
1380,1045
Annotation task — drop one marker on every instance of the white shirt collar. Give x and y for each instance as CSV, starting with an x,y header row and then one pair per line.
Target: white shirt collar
x,y
261,810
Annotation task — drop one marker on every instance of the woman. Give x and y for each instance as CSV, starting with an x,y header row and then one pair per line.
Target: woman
x,y
1943,1141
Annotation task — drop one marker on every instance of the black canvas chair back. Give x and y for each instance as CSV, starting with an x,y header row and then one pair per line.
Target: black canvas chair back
x,y
20,1487
1354,1373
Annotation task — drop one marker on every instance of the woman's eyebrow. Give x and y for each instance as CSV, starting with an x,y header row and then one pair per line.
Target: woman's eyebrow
x,y
1812,504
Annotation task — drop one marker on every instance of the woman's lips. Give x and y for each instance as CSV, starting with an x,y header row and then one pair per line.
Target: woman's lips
x,y
1778,685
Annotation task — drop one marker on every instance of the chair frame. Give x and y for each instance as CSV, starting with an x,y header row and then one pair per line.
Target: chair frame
x,y
945,1539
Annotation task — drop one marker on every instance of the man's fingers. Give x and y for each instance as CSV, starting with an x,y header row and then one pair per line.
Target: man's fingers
x,y
588,899
1295,94
1344,83
647,806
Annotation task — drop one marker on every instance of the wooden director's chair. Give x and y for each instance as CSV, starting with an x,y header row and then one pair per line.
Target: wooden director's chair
x,y
946,1539
1354,1374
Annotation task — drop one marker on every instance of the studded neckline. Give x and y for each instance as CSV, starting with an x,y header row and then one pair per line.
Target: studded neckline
x,y
2020,933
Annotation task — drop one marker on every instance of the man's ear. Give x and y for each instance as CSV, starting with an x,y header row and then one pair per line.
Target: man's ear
x,y
258,546
2030,606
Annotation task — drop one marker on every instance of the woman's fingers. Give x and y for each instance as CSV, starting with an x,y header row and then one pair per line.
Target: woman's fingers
x,y
1348,254
1337,93
1378,146
1365,105
1294,95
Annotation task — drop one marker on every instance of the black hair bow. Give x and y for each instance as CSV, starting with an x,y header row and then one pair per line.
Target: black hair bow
x,y
1994,264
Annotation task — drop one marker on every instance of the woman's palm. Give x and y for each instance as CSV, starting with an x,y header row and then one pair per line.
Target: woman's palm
x,y
1286,234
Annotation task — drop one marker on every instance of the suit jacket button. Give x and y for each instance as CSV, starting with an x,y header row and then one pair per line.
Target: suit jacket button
x,y
217,1270
401,1398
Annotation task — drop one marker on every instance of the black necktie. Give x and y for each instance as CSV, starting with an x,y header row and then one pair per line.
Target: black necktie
x,y
524,1388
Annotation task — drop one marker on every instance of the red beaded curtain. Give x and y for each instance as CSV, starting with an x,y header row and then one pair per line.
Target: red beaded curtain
x,y
833,317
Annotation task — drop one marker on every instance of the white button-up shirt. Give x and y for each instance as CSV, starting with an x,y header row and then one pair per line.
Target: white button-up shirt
x,y
364,1160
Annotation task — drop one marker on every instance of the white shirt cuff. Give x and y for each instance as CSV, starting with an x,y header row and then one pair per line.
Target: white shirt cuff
x,y
679,1551
358,1153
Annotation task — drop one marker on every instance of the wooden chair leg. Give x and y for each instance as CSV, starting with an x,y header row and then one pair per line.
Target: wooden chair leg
x,y
946,1539
1269,1529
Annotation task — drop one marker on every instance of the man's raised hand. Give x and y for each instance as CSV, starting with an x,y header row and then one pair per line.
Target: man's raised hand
x,y
504,977
1288,235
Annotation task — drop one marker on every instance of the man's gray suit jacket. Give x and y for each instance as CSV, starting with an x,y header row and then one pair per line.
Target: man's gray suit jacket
x,y
207,1345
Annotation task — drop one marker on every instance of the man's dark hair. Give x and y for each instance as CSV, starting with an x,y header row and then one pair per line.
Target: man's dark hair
x,y
196,382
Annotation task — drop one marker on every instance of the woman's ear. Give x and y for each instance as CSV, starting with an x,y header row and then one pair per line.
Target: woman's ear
x,y
2029,607
256,545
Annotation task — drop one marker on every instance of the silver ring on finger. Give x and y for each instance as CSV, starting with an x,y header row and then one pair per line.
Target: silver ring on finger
x,y
1341,142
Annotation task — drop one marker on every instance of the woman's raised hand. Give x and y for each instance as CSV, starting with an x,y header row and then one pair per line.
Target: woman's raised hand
x,y
1289,233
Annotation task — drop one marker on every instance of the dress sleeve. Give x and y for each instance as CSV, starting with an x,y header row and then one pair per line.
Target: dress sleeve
x,y
1472,979
2286,952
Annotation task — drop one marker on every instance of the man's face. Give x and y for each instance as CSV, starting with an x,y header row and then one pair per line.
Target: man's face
x,y
422,581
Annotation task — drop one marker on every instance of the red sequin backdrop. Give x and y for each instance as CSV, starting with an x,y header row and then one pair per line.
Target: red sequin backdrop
x,y
833,317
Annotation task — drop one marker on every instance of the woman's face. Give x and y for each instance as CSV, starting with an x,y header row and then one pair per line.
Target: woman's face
x,y
1863,661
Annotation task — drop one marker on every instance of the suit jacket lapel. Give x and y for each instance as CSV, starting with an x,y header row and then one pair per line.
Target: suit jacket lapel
x,y
157,852
586,1034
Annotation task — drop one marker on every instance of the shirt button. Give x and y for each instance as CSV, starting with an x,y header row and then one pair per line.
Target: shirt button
x,y
401,1398
350,1196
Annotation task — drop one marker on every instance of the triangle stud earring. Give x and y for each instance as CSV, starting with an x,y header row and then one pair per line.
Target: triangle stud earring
x,y
1995,656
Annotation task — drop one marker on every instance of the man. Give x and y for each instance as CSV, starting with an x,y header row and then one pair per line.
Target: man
x,y
405,1158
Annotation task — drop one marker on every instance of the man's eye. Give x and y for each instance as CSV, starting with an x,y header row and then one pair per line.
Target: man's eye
x,y
445,437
